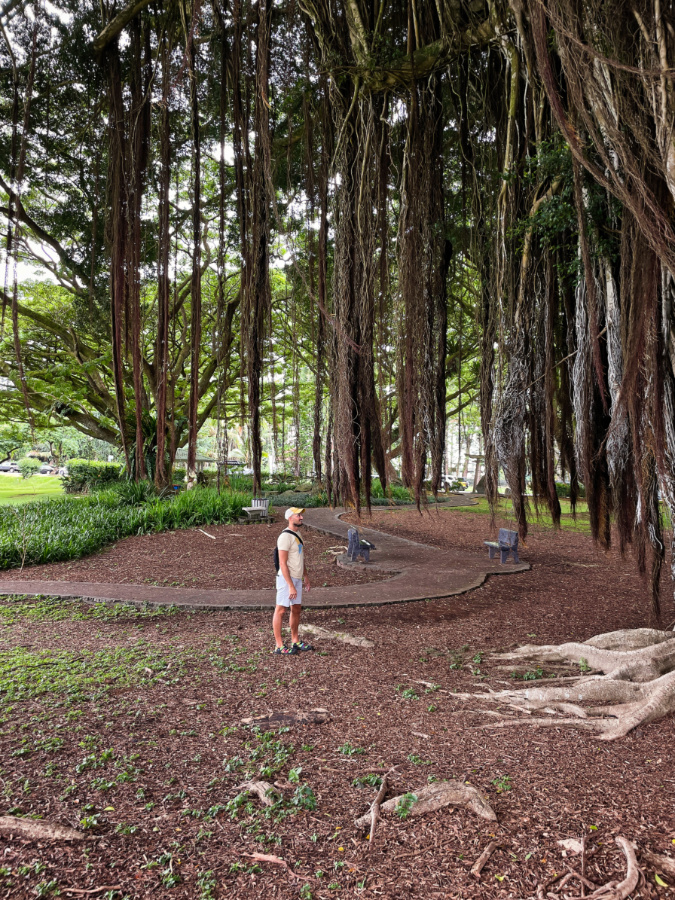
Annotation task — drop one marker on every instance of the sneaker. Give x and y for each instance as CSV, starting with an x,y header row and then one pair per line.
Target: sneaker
x,y
285,650
300,646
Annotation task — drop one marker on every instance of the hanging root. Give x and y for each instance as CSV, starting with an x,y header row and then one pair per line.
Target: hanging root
x,y
637,687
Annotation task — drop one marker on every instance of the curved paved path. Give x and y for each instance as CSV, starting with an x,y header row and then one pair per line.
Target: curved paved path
x,y
418,572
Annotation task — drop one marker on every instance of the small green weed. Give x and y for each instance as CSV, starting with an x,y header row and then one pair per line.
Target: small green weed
x,y
206,882
502,783
409,694
531,675
417,760
371,780
405,805
348,750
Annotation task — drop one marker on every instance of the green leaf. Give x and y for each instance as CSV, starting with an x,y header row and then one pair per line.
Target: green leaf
x,y
659,880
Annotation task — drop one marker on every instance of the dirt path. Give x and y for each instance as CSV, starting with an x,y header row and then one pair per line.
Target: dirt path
x,y
400,570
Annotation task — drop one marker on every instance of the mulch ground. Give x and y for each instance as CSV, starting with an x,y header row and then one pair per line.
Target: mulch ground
x,y
239,558
170,708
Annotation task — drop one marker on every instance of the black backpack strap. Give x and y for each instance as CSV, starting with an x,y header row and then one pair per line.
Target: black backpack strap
x,y
295,535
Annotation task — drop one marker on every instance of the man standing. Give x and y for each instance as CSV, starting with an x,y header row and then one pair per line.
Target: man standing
x,y
289,581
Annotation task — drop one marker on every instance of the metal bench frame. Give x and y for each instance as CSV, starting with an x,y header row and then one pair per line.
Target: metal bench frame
x,y
357,547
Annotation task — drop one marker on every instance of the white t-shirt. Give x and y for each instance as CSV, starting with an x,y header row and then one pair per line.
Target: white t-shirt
x,y
291,543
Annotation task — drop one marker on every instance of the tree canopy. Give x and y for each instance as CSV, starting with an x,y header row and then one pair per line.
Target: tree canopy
x,y
409,206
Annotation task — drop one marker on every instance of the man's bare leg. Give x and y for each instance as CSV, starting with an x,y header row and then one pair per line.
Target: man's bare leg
x,y
277,622
296,609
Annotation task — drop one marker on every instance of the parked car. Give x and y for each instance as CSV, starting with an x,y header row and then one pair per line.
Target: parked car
x,y
9,466
46,469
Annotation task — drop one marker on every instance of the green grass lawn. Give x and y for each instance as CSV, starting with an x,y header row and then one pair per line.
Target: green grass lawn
x,y
15,489
505,510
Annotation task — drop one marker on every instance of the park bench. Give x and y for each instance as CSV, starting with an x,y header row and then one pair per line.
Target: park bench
x,y
258,511
261,503
357,547
506,543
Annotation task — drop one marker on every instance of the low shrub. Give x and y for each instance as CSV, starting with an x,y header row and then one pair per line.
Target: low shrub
x,y
28,466
90,475
71,527
132,493
562,489
393,492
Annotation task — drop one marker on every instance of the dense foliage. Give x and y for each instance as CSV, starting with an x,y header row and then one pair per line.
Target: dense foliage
x,y
344,222
72,527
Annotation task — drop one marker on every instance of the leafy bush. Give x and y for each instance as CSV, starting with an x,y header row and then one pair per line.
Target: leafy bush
x,y
70,527
29,466
305,499
131,493
563,490
459,484
394,492
89,474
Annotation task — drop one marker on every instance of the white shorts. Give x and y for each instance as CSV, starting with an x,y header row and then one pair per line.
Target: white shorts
x,y
282,591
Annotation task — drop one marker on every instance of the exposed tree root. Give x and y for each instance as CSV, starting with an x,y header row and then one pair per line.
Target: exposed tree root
x,y
637,685
266,792
434,796
36,830
642,663
613,890
663,864
286,718
316,631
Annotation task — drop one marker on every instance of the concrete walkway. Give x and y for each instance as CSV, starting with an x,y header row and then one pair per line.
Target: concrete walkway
x,y
418,572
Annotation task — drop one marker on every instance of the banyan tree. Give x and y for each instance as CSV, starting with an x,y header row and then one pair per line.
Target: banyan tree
x,y
418,170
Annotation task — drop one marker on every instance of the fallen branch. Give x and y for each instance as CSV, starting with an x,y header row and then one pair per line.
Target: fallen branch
x,y
435,796
36,830
98,890
207,534
375,807
477,867
276,861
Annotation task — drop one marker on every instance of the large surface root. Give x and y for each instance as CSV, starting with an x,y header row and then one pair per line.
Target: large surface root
x,y
637,687
630,663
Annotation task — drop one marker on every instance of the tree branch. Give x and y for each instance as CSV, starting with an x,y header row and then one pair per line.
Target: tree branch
x,y
113,28
37,230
